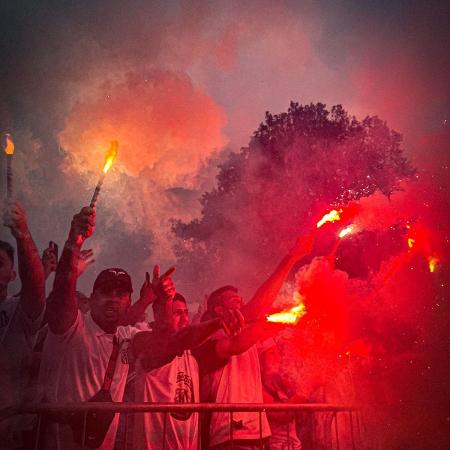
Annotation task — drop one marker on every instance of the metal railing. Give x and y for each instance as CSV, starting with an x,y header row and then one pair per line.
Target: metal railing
x,y
352,413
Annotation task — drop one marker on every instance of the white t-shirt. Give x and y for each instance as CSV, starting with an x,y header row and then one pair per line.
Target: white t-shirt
x,y
238,381
175,382
17,336
73,369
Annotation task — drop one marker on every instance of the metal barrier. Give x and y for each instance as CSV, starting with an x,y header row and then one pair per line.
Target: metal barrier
x,y
351,412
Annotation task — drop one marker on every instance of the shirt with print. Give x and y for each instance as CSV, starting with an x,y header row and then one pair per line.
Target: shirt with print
x,y
73,369
234,380
174,382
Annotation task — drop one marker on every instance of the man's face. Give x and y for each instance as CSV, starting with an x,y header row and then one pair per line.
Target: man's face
x,y
7,273
108,305
228,300
180,316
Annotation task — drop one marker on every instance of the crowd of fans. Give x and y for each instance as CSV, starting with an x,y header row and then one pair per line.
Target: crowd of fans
x,y
65,347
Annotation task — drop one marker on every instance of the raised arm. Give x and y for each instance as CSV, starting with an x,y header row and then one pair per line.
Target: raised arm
x,y
146,297
62,302
31,271
264,297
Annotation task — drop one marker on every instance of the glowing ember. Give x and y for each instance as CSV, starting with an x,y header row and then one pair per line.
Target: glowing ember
x,y
9,150
347,230
290,316
9,147
411,242
432,263
111,155
332,216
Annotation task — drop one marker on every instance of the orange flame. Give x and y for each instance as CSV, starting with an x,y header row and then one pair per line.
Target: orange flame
x,y
347,230
332,216
111,155
411,242
9,146
290,316
432,263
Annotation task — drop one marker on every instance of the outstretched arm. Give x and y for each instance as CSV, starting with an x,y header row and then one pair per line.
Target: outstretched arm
x,y
31,271
62,302
192,336
253,333
159,346
264,297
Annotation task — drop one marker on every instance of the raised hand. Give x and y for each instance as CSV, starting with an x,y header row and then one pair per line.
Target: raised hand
x,y
86,259
232,322
163,285
14,217
83,225
50,259
147,293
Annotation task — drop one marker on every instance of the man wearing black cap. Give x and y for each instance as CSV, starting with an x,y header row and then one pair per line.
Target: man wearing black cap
x,y
79,346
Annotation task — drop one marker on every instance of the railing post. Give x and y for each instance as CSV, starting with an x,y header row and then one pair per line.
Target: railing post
x,y
125,437
231,430
313,430
358,425
83,437
335,417
38,431
164,430
260,429
288,435
351,429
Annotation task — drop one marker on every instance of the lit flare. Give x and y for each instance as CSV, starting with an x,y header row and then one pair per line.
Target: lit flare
x,y
111,155
347,230
332,216
9,145
433,261
290,316
9,150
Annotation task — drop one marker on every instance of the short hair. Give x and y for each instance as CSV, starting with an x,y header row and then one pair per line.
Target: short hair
x,y
214,296
8,249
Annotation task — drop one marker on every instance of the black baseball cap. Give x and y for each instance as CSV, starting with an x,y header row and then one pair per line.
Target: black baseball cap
x,y
113,278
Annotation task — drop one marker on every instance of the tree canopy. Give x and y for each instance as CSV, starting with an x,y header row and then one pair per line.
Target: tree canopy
x,y
297,164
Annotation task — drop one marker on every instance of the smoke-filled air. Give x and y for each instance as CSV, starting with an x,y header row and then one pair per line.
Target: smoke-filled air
x,y
239,126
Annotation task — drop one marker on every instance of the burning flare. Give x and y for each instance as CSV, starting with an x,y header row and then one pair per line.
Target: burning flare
x,y
9,145
347,230
109,159
290,316
332,216
411,242
433,261
111,155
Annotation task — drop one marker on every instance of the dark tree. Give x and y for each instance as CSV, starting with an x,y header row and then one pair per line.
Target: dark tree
x,y
297,164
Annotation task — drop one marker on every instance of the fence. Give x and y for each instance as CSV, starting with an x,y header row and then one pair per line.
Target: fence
x,y
353,428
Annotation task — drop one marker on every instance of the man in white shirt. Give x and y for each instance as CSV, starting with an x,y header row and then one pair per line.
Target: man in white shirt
x,y
20,318
229,366
78,346
168,373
